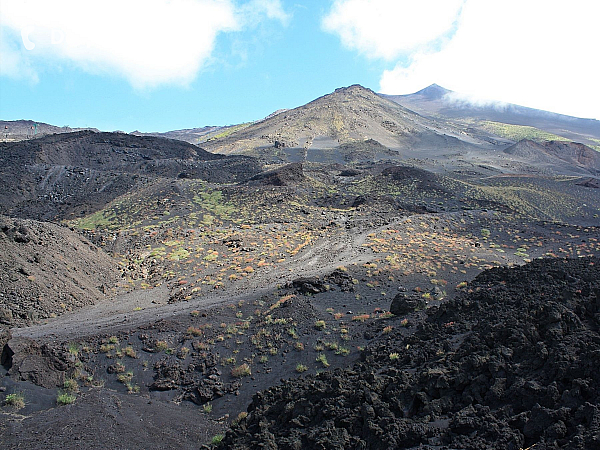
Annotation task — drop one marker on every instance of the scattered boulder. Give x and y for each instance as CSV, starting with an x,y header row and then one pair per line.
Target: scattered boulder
x,y
403,304
593,183
349,173
309,285
37,363
288,175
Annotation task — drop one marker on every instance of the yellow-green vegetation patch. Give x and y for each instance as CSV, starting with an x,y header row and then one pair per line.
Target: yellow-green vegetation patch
x,y
98,220
518,132
179,254
229,131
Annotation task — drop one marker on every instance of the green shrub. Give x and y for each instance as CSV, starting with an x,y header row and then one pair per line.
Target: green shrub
x,y
16,400
70,385
65,398
217,439
301,368
320,325
322,359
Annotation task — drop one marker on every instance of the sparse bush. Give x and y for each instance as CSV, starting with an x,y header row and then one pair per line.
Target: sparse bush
x,y
132,388
320,325
73,349
129,351
70,385
113,340
331,345
65,398
360,318
194,331
342,351
207,408
161,345
241,371
16,400
322,359
125,377
217,439
241,416
105,348
394,356
301,368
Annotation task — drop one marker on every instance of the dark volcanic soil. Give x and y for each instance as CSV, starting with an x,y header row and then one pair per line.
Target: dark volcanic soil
x,y
46,270
58,176
510,364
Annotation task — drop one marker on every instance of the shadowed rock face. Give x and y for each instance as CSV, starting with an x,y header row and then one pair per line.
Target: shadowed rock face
x,y
556,152
404,304
289,175
507,365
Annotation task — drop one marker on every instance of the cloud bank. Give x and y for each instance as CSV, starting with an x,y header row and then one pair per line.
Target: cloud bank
x,y
537,53
388,28
148,42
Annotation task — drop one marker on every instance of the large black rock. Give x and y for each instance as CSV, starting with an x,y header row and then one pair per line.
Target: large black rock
x,y
405,304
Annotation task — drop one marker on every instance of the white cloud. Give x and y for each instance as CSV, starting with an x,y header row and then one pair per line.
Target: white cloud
x,y
148,42
537,53
388,28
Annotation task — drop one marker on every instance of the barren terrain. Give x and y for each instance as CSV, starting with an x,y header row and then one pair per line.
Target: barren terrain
x,y
363,277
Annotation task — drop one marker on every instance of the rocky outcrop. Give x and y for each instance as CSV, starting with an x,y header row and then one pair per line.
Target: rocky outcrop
x,y
510,364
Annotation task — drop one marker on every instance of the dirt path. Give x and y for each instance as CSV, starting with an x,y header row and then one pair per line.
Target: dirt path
x,y
139,307
144,306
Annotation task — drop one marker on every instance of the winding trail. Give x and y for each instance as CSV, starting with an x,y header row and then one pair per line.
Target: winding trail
x,y
126,311
136,308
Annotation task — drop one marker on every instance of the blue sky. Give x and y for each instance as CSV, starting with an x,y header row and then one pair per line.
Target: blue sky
x,y
158,65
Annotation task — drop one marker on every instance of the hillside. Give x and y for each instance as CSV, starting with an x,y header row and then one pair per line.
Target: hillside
x,y
557,155
67,174
191,135
17,130
47,270
347,116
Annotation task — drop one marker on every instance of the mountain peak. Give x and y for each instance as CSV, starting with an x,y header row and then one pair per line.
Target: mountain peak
x,y
433,92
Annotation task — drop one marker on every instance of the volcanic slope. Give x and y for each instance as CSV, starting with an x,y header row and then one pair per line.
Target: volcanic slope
x,y
62,175
47,270
510,364
558,156
347,116
504,118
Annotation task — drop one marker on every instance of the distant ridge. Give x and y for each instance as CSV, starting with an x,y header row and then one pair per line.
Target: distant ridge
x,y
16,130
437,101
